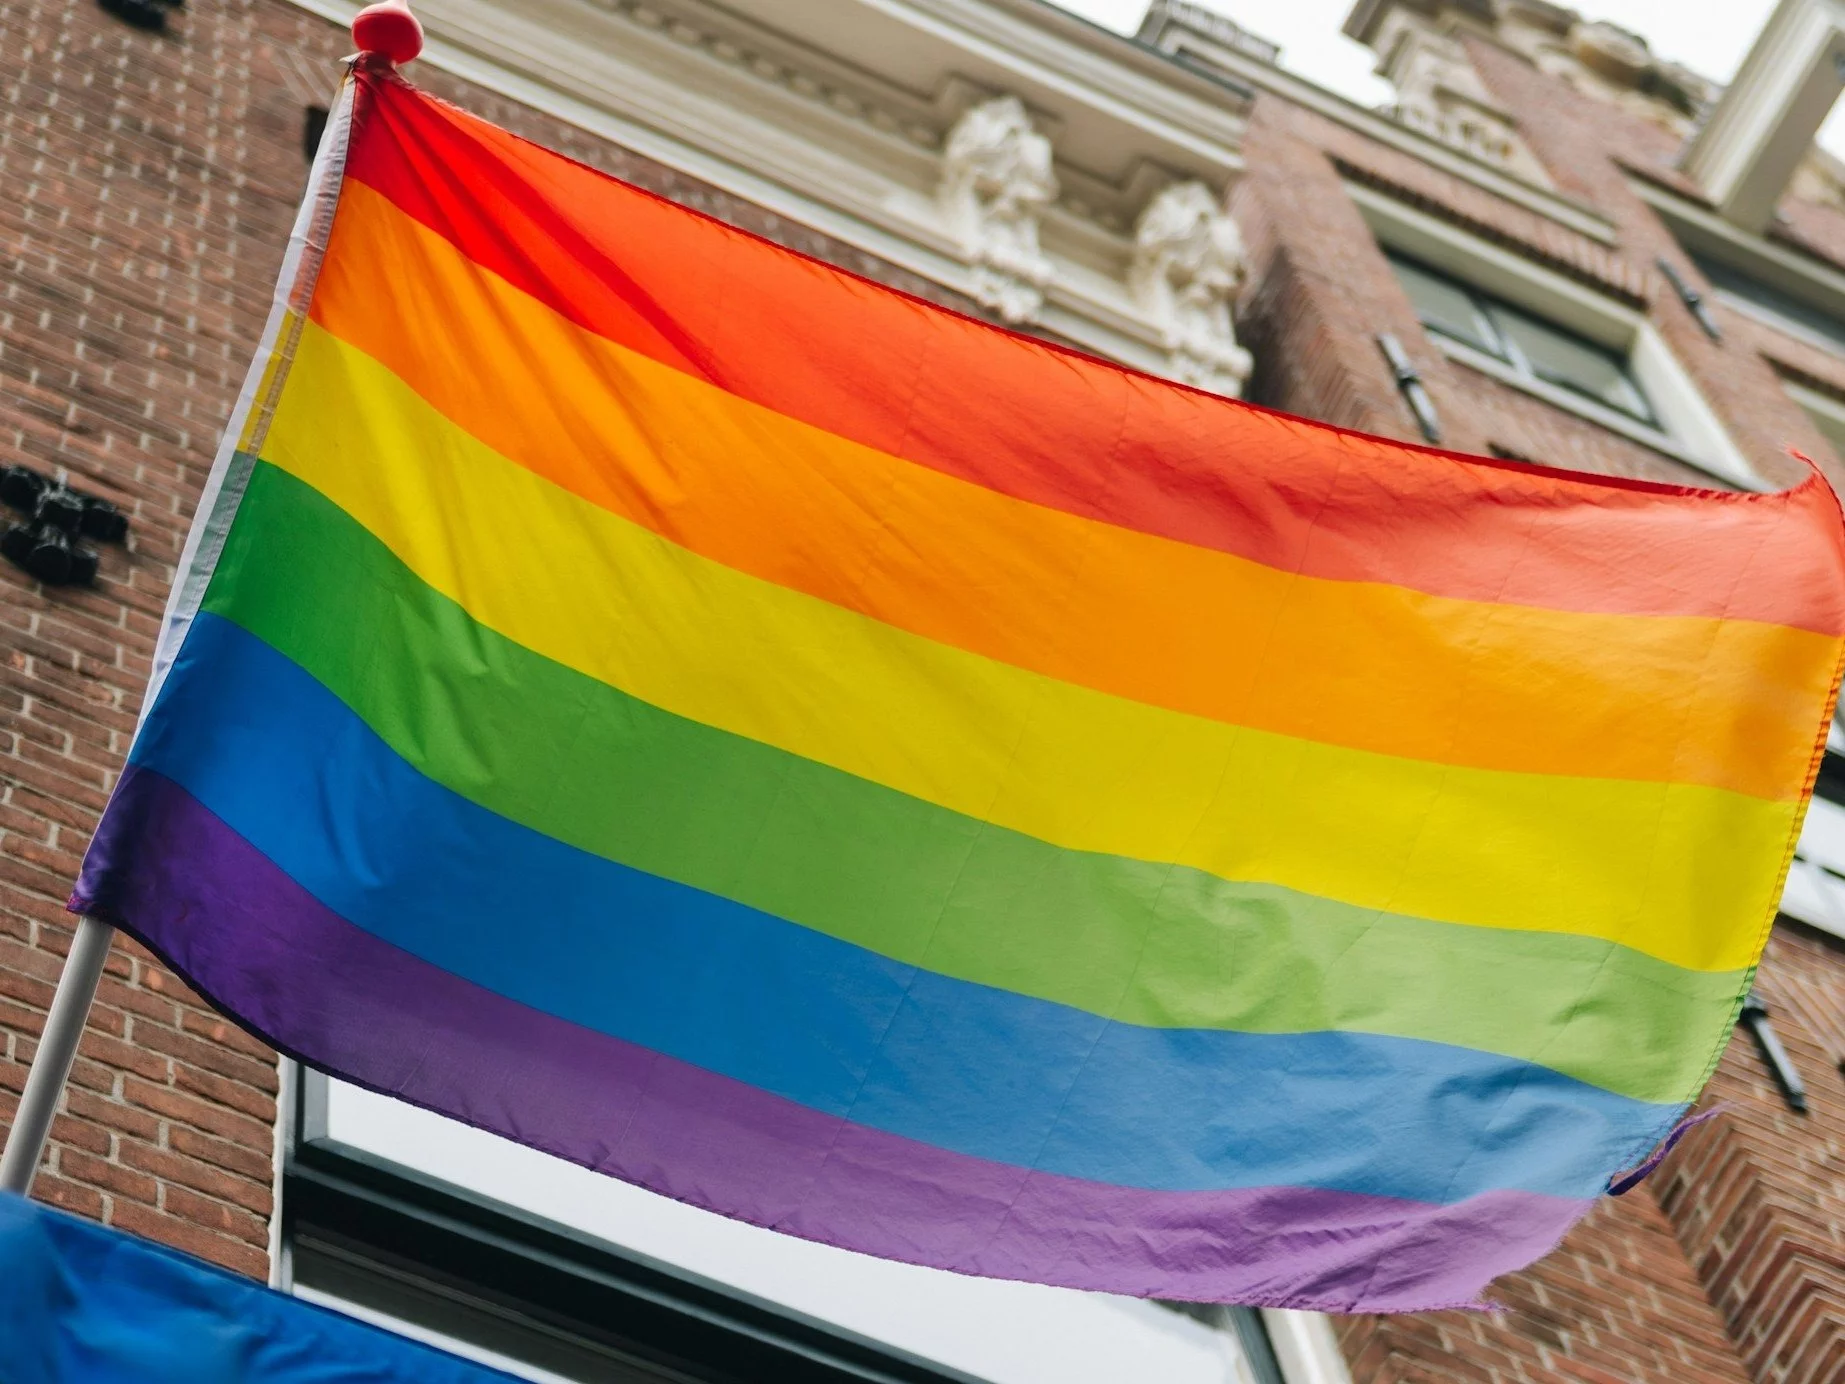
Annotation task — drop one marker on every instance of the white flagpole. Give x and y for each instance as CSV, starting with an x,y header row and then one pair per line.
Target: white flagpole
x,y
386,31
57,1049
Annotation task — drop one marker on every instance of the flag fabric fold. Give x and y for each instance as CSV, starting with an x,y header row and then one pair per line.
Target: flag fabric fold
x,y
665,700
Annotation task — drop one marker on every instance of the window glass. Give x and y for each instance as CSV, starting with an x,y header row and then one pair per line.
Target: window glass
x,y
1782,309
1562,358
1533,347
1444,306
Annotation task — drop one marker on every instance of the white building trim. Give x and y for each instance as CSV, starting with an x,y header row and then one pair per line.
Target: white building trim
x,y
1745,154
835,114
1815,890
799,106
1828,415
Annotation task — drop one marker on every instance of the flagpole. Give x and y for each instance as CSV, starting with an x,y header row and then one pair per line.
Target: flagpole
x,y
57,1049
388,31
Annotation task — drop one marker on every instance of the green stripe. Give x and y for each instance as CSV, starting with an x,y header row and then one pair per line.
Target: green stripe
x,y
1148,944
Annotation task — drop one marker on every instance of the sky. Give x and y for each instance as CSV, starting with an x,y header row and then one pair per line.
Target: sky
x,y
1708,36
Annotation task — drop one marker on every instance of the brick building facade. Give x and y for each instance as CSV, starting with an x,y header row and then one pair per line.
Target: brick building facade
x,y
150,180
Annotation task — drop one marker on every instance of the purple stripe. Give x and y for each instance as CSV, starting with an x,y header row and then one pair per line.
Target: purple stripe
x,y
247,936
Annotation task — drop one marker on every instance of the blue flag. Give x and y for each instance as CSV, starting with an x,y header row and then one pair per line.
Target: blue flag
x,y
82,1304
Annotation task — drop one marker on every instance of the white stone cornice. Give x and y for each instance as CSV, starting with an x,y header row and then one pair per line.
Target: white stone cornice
x,y
1237,65
834,113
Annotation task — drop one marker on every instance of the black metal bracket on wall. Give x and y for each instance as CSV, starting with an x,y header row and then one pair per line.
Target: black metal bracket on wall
x,y
1692,299
1409,383
44,543
143,14
313,127
1754,1017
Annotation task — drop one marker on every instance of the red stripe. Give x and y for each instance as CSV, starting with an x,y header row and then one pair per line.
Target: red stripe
x,y
1057,428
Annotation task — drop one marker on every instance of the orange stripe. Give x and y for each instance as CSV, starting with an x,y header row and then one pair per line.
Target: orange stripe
x,y
1726,704
1056,428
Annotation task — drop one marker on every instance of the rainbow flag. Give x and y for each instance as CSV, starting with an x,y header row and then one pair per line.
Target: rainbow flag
x,y
691,710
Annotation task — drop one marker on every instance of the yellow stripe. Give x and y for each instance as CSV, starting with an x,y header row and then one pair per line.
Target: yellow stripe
x,y
1684,873
1364,664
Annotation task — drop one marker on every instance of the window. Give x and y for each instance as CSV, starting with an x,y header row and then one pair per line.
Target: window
x,y
557,1274
1791,312
1756,275
1815,889
1546,334
1774,285
1531,346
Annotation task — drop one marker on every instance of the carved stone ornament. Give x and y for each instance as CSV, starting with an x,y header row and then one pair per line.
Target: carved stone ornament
x,y
1440,94
996,181
1188,265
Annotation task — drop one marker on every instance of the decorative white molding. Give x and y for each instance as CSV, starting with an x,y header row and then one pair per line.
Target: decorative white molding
x,y
1217,29
1166,30
835,114
996,182
1188,265
1601,60
1440,93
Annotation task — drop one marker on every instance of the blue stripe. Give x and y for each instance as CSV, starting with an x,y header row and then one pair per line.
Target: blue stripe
x,y
984,1072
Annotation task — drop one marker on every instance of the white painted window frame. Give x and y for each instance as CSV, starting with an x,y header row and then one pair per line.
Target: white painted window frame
x,y
1827,413
1708,236
1306,1347
1815,890
1690,430
1768,317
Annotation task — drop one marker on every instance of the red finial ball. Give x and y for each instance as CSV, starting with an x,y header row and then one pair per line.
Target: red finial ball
x,y
388,29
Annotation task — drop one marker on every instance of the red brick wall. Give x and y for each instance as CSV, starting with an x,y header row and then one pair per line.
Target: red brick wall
x,y
1587,147
1758,1195
149,187
1320,292
1615,1304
